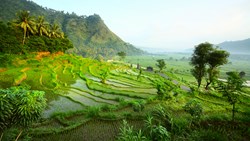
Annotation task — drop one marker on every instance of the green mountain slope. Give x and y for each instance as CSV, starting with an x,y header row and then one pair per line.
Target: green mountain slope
x,y
236,47
89,34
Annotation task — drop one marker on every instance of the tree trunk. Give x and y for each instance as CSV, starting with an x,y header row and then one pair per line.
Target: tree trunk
x,y
24,37
233,112
199,82
208,83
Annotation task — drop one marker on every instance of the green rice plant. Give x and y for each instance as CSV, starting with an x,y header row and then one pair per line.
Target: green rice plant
x,y
93,112
108,108
127,133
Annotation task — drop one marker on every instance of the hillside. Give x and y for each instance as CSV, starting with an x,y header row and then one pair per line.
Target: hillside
x,y
236,47
79,102
89,34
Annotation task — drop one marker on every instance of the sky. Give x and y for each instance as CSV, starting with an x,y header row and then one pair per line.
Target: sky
x,y
169,25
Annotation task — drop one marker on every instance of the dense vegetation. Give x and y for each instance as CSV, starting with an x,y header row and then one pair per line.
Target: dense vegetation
x,y
25,35
89,35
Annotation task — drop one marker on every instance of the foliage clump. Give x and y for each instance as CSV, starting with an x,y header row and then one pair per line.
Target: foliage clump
x,y
195,109
27,34
20,106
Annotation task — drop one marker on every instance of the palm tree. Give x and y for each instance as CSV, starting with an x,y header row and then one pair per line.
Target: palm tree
x,y
55,31
42,26
26,22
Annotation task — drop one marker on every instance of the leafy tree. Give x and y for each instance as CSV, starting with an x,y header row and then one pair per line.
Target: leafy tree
x,y
206,61
161,64
199,60
232,89
20,107
42,26
122,55
25,22
216,58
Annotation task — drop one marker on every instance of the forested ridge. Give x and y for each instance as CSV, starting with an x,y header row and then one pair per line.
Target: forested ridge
x,y
89,34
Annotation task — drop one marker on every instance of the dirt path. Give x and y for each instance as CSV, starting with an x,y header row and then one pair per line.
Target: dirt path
x,y
183,87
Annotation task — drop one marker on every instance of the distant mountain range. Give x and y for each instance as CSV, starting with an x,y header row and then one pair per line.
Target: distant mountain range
x,y
89,34
236,47
233,47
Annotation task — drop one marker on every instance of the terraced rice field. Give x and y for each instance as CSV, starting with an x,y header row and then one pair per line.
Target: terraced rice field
x,y
73,83
75,92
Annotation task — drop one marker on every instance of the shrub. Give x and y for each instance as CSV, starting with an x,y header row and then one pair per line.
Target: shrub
x,y
162,116
195,109
156,132
20,107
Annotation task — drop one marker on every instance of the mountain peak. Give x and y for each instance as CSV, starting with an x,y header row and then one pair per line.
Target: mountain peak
x,y
236,47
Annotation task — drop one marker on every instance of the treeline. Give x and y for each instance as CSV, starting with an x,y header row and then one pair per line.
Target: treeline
x,y
29,34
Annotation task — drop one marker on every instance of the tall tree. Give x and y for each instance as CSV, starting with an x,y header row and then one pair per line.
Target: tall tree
x,y
161,64
232,89
55,31
26,22
199,61
42,26
216,58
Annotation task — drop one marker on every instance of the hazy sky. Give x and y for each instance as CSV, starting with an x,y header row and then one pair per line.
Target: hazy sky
x,y
170,24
